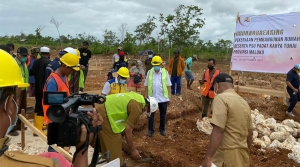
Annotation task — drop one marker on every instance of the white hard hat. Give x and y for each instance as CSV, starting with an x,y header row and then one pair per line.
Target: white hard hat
x,y
70,50
45,50
153,104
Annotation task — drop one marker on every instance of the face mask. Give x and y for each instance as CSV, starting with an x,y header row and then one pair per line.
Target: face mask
x,y
122,81
11,126
23,59
149,56
210,67
156,68
216,89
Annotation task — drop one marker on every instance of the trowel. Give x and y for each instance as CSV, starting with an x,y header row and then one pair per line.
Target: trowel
x,y
148,159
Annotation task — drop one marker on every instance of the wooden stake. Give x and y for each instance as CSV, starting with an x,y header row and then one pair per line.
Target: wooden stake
x,y
230,66
44,138
22,131
284,94
238,85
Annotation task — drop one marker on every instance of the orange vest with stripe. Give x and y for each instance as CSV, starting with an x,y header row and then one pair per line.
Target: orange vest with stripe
x,y
61,87
29,60
208,84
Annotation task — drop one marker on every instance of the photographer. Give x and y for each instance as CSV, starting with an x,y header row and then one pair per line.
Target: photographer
x,y
121,113
58,81
8,117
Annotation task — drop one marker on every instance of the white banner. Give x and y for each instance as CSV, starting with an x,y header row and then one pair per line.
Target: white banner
x,y
266,43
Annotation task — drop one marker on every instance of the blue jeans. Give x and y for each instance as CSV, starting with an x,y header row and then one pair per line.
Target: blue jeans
x,y
176,81
162,111
293,99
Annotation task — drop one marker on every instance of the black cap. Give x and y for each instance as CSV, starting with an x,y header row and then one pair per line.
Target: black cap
x,y
22,51
5,48
176,52
85,43
223,77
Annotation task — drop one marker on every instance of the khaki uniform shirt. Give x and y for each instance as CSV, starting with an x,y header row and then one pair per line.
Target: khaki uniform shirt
x,y
19,159
108,139
233,114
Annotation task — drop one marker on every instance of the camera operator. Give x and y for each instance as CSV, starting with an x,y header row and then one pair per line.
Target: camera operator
x,y
58,80
8,117
120,113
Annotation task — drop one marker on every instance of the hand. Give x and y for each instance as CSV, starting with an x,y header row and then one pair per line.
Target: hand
x,y
135,154
96,120
201,82
296,91
82,67
206,163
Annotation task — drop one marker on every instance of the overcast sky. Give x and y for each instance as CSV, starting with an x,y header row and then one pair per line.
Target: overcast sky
x,y
94,16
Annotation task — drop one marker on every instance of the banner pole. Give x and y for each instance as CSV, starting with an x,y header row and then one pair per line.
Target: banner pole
x,y
230,66
238,84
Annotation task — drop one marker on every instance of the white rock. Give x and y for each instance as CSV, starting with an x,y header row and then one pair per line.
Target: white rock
x,y
295,155
255,134
260,142
204,125
289,122
263,130
271,123
259,119
274,144
297,125
280,136
266,140
289,143
284,128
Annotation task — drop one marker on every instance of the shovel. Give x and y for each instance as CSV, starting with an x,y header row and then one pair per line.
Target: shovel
x,y
146,159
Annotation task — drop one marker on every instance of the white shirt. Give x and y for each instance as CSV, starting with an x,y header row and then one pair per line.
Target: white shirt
x,y
115,57
106,87
157,86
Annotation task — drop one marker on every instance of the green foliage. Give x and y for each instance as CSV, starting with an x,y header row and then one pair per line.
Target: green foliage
x,y
183,25
178,31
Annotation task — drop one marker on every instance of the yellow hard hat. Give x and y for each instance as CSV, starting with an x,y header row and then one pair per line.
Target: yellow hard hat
x,y
14,76
78,53
71,60
123,72
156,60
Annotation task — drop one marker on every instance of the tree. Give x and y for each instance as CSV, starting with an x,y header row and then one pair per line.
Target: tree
x,y
123,30
110,39
38,33
57,24
144,30
184,24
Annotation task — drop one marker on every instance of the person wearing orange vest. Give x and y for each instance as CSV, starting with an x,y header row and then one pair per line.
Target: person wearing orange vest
x,y
30,60
207,88
58,80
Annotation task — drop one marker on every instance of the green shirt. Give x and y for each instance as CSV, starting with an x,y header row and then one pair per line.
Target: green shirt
x,y
175,64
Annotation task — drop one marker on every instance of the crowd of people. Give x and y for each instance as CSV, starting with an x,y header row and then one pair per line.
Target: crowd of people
x,y
35,74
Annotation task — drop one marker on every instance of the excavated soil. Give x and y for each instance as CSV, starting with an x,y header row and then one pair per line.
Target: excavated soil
x,y
184,145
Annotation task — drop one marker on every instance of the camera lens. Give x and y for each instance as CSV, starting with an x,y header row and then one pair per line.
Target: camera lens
x,y
58,113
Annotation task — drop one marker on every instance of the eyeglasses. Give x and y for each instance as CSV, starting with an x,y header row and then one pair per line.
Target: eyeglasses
x,y
122,77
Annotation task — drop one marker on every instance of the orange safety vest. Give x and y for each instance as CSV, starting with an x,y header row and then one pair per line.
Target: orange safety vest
x,y
208,84
61,87
29,60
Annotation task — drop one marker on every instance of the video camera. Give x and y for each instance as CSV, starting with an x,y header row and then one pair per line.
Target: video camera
x,y
67,116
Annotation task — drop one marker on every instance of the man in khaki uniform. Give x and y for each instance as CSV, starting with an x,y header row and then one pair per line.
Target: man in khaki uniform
x,y
9,83
114,112
231,137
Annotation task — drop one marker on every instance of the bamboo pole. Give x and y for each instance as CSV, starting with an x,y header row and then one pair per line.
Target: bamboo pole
x,y
22,131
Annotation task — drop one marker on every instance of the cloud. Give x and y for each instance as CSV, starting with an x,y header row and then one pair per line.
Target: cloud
x,y
94,16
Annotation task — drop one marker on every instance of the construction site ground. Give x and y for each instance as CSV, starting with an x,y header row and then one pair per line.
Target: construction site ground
x,y
184,144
